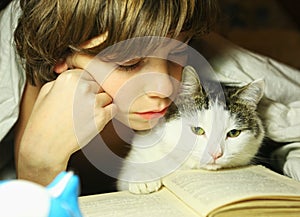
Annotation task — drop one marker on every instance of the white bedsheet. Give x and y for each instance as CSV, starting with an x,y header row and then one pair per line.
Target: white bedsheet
x,y
12,76
12,80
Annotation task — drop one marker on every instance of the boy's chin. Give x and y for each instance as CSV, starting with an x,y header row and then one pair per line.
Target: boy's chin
x,y
142,126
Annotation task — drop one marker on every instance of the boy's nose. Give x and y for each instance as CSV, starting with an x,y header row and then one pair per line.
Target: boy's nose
x,y
160,86
160,83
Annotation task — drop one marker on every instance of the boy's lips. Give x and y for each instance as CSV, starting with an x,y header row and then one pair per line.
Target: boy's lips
x,y
152,114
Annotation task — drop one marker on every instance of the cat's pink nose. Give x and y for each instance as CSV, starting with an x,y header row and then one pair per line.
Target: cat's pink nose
x,y
217,155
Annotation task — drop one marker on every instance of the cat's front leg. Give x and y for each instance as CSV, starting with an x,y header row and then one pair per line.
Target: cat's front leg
x,y
144,188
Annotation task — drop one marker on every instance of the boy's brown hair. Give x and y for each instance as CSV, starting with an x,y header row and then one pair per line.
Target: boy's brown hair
x,y
48,29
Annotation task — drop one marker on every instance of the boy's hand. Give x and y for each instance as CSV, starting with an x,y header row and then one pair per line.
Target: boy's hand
x,y
67,114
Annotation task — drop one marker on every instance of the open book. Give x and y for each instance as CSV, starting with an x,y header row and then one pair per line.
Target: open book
x,y
247,191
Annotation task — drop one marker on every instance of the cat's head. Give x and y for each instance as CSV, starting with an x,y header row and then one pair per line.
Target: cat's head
x,y
224,120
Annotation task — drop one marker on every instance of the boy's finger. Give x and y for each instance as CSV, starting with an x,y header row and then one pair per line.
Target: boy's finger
x,y
103,99
98,69
104,115
80,60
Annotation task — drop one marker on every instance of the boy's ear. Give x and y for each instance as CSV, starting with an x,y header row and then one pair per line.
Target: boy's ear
x,y
60,67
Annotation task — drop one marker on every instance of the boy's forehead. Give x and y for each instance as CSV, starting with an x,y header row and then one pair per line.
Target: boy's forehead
x,y
96,41
151,46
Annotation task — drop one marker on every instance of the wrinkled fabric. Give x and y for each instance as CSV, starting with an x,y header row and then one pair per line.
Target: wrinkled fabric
x,y
12,75
287,158
280,106
12,80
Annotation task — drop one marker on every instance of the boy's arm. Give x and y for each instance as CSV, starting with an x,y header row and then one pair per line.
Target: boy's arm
x,y
28,99
46,136
28,165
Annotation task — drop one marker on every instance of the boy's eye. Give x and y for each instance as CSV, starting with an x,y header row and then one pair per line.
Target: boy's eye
x,y
233,133
128,68
130,65
198,130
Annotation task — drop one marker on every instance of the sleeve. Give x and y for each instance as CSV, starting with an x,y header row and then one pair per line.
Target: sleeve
x,y
11,72
12,80
280,107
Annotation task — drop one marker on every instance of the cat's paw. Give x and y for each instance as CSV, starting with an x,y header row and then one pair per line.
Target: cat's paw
x,y
145,188
212,167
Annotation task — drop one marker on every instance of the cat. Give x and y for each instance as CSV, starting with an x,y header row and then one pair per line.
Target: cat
x,y
206,127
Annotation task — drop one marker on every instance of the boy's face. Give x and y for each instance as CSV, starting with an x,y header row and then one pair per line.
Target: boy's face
x,y
143,87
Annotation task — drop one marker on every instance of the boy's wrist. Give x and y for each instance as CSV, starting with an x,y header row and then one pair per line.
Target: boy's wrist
x,y
42,174
41,168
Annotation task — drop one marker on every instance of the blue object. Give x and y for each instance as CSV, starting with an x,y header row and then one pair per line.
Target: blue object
x,y
20,198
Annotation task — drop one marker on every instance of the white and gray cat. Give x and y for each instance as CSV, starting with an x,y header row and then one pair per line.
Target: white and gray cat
x,y
205,128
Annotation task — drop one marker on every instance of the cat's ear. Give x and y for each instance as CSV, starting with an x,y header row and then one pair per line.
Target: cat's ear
x,y
252,92
190,81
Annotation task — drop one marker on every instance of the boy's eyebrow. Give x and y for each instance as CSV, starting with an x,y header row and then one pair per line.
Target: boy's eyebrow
x,y
185,40
182,43
180,46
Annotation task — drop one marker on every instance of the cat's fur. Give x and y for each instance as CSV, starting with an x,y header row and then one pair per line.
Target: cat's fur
x,y
230,135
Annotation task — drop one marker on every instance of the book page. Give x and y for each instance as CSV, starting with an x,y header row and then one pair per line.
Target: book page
x,y
206,190
252,208
125,204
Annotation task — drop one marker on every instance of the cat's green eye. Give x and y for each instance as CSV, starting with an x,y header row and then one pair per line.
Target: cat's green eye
x,y
233,133
198,131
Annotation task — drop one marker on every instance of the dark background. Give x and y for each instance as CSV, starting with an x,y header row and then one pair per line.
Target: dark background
x,y
268,27
292,7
